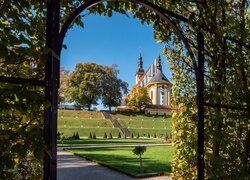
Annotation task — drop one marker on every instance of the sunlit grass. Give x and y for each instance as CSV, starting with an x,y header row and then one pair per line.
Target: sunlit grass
x,y
155,160
86,122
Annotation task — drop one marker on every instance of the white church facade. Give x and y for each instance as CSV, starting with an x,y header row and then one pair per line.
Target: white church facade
x,y
157,84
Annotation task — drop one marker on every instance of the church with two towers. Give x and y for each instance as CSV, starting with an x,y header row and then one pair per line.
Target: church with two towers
x,y
157,85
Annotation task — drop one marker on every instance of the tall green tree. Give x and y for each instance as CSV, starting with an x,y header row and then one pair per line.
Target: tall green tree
x,y
112,87
138,98
84,84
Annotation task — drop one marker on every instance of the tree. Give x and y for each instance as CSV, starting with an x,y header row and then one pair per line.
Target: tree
x,y
112,87
84,84
64,74
139,150
138,98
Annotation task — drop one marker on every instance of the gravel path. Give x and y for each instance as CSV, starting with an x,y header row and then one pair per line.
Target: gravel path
x,y
71,167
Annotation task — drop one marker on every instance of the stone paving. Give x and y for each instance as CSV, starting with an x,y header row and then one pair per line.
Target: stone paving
x,y
71,167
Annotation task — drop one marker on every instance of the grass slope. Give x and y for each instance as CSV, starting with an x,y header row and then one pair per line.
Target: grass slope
x,y
84,122
155,159
145,125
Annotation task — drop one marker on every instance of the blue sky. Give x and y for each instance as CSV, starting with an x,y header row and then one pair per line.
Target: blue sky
x,y
116,40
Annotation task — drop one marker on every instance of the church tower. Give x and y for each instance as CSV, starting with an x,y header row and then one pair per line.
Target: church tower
x,y
140,70
159,66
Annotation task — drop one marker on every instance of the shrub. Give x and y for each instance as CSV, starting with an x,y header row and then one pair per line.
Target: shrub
x,y
58,135
138,136
132,135
155,135
77,136
119,135
94,136
105,136
90,135
74,136
148,135
110,136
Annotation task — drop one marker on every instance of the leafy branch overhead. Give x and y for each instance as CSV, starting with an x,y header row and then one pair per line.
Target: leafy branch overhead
x,y
225,25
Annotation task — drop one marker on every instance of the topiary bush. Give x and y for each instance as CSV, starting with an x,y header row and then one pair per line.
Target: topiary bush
x,y
94,136
110,136
77,135
138,136
90,135
155,135
119,136
105,136
132,135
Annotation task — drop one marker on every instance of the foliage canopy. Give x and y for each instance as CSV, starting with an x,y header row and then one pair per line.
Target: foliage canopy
x,y
225,26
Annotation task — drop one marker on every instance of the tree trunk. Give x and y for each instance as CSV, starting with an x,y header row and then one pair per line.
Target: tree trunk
x,y
141,166
109,108
89,107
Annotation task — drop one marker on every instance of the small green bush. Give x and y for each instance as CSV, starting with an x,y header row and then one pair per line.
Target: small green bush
x,y
105,136
94,136
110,136
148,135
138,136
132,135
58,135
77,136
155,135
90,135
119,136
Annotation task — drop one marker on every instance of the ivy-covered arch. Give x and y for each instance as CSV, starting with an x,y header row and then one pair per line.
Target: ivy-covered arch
x,y
225,26
54,40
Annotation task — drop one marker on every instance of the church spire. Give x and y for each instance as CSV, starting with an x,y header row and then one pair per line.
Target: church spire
x,y
140,64
159,66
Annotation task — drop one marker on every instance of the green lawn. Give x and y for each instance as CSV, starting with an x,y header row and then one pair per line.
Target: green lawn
x,y
84,122
145,125
80,114
156,159
88,142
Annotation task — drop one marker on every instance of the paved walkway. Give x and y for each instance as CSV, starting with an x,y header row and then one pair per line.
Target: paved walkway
x,y
110,146
70,167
